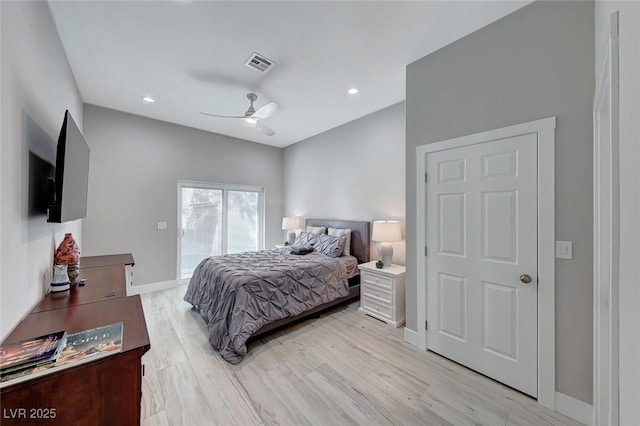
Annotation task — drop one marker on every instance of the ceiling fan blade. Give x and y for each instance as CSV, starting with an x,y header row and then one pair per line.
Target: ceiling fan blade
x,y
266,111
266,130
223,116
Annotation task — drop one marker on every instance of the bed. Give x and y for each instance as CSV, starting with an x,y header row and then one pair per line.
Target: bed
x,y
242,296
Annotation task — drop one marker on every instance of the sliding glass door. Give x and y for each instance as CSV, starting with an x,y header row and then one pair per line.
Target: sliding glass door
x,y
242,221
217,219
200,227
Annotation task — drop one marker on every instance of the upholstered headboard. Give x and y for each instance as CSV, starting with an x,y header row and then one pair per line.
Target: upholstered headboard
x,y
360,235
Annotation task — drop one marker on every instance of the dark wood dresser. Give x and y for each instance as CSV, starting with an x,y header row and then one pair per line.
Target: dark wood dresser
x,y
107,391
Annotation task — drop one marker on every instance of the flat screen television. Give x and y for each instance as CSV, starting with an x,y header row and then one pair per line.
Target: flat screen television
x,y
69,189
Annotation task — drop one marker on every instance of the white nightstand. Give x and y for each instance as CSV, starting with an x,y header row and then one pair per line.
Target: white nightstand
x,y
382,292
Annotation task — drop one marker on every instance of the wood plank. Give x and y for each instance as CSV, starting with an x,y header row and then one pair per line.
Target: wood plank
x,y
158,419
152,401
185,403
525,416
317,406
229,402
340,368
273,407
164,340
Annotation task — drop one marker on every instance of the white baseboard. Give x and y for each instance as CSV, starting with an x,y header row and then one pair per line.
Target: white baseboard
x,y
574,408
151,287
411,337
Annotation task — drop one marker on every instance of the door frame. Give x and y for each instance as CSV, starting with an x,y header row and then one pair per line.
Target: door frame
x,y
545,129
606,189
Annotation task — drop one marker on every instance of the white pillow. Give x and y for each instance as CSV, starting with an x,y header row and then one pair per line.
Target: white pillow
x,y
336,232
316,229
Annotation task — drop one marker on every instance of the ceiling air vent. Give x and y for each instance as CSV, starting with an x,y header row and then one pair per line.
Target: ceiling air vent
x,y
259,62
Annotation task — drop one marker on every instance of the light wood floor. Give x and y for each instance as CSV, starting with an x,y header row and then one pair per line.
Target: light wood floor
x,y
341,368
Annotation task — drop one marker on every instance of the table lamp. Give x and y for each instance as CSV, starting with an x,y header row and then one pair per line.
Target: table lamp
x,y
291,224
386,232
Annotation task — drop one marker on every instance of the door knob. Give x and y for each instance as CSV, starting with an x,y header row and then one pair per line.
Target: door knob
x,y
525,278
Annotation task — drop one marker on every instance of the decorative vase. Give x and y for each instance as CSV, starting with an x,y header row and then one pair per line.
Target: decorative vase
x,y
68,253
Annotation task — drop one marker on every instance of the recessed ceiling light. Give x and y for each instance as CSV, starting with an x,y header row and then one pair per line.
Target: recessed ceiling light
x,y
148,99
353,91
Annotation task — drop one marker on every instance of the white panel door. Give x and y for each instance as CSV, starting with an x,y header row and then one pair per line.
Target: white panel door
x,y
481,238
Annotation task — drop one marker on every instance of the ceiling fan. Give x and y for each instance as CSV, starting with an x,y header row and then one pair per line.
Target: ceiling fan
x,y
252,116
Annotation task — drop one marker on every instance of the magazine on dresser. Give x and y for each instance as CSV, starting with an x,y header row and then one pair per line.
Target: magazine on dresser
x,y
31,352
79,348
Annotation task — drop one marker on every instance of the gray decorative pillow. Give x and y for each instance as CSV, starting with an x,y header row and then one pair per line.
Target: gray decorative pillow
x,y
331,246
306,239
338,232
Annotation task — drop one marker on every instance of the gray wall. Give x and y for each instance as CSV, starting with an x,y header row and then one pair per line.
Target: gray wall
x,y
352,172
36,85
135,165
534,63
629,104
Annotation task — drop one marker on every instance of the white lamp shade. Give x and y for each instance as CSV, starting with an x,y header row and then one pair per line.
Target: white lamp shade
x,y
292,223
386,231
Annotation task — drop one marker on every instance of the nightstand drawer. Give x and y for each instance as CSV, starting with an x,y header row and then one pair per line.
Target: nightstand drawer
x,y
369,289
377,307
378,280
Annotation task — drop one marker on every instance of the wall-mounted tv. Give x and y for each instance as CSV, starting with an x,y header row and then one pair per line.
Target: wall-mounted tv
x,y
69,189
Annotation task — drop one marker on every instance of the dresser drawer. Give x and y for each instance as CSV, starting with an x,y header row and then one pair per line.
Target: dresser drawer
x,y
369,289
378,280
379,308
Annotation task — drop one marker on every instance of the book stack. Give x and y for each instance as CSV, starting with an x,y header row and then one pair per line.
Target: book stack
x,y
31,353
72,349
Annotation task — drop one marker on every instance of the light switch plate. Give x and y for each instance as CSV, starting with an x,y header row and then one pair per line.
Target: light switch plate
x,y
564,249
162,225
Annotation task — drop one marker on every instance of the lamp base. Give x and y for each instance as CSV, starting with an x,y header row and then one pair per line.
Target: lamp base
x,y
385,253
291,237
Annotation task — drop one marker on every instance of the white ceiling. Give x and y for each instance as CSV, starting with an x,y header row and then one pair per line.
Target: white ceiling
x,y
189,56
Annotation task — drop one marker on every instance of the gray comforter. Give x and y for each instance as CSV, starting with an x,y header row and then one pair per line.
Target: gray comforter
x,y
239,293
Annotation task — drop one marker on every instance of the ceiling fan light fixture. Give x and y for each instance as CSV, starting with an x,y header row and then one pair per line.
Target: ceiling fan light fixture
x,y
253,116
